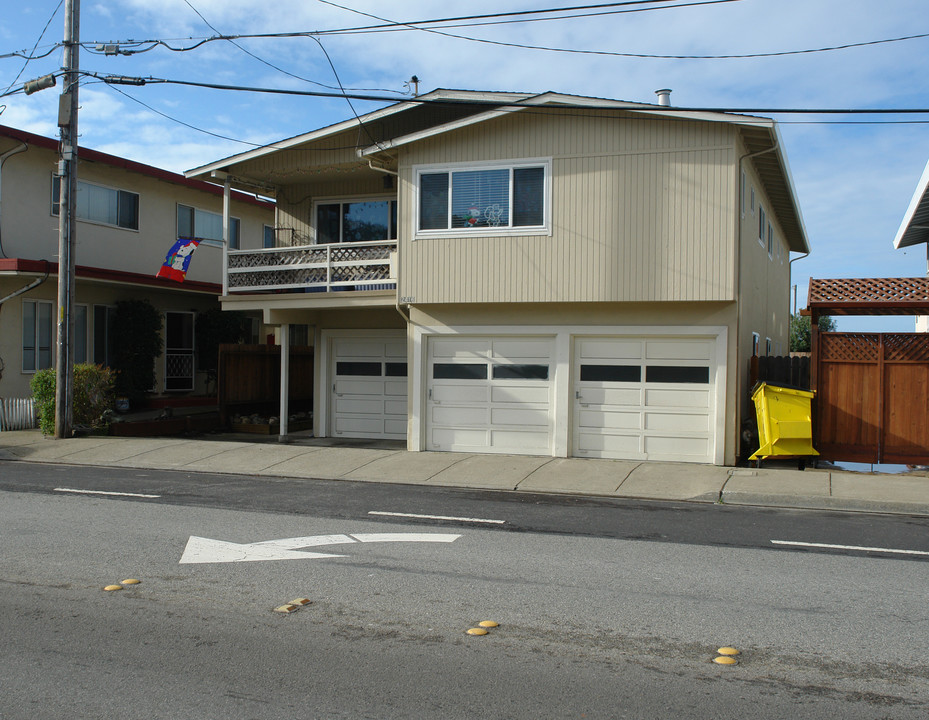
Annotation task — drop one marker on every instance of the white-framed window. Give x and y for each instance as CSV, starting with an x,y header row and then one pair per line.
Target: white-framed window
x,y
768,346
752,205
505,198
761,224
207,226
268,239
101,204
367,219
756,343
38,335
770,241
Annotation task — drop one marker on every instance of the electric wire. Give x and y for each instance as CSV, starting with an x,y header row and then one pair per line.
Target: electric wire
x,y
38,40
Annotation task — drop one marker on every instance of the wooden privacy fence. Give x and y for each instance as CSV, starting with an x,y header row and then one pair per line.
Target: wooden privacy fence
x,y
872,397
781,370
250,378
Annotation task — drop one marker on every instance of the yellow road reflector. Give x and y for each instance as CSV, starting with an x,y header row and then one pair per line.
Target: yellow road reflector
x,y
477,631
300,601
488,623
288,608
728,651
725,660
108,588
130,581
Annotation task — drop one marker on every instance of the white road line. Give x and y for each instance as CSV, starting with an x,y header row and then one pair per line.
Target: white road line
x,y
850,547
437,517
104,492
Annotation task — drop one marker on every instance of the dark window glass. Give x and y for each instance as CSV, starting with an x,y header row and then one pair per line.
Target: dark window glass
x,y
365,221
459,371
128,210
328,219
395,369
677,374
611,373
104,339
365,369
520,372
185,221
433,201
528,193
481,198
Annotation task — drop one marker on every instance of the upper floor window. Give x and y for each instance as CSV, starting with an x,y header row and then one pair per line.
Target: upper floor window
x,y
487,199
356,220
761,224
208,226
99,204
770,241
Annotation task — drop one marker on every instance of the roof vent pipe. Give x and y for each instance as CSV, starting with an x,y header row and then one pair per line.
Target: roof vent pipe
x,y
664,97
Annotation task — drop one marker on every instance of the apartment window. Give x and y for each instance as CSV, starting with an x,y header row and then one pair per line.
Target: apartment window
x,y
770,241
104,338
80,333
756,343
356,220
488,200
207,226
268,239
38,335
768,346
99,204
761,224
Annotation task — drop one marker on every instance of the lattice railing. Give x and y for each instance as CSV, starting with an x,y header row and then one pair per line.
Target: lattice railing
x,y
339,266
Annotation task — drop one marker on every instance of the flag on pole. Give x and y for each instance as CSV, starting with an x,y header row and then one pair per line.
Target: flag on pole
x,y
178,259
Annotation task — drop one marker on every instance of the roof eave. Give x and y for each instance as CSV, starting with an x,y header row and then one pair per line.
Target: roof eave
x,y
914,230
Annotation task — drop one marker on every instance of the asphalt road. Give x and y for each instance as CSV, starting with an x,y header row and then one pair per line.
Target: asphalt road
x,y
606,609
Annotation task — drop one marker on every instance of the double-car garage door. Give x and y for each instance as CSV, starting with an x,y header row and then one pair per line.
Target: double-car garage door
x,y
628,397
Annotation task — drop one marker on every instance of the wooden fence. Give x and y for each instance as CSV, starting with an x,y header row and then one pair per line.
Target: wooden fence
x,y
872,397
781,370
249,378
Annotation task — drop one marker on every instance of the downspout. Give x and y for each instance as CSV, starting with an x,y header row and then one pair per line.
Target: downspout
x,y
35,283
387,171
3,159
738,315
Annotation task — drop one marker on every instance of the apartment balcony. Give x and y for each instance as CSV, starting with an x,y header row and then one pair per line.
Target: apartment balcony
x,y
338,267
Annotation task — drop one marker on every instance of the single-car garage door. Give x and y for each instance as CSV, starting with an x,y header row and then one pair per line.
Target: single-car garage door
x,y
489,394
645,398
369,387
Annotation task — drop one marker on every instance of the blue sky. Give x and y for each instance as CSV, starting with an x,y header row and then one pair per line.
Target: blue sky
x,y
854,181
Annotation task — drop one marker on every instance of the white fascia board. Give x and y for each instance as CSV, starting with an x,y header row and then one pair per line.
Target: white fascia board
x,y
789,179
920,198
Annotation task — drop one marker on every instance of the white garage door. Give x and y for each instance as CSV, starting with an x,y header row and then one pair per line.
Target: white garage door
x,y
645,398
369,387
491,394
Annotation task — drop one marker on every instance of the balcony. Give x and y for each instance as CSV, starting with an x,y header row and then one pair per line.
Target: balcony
x,y
339,267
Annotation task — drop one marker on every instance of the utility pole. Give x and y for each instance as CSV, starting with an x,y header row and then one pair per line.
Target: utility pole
x,y
67,171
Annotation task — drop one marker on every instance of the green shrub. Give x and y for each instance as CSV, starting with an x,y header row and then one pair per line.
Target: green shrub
x,y
93,396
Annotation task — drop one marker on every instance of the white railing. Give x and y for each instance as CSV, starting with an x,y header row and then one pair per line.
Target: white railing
x,y
319,268
17,414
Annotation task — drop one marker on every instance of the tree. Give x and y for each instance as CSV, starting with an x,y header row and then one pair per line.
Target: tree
x,y
137,329
800,338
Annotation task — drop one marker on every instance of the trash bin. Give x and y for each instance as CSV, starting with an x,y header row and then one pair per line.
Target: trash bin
x,y
785,423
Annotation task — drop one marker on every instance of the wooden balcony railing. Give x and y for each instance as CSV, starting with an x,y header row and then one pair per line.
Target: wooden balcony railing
x,y
319,268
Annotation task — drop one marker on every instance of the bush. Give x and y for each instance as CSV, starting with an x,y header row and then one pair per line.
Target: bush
x,y
93,396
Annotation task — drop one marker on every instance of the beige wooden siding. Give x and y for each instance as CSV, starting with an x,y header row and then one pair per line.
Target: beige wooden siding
x,y
642,210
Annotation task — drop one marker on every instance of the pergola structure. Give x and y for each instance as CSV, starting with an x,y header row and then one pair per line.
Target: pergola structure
x,y
872,389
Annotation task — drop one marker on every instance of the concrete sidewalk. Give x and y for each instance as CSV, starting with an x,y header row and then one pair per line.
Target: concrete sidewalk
x,y
828,489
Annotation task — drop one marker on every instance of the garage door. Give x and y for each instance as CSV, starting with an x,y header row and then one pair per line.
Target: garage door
x,y
369,387
645,398
491,394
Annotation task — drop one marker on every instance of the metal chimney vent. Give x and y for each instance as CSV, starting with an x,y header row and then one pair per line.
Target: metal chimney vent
x,y
664,97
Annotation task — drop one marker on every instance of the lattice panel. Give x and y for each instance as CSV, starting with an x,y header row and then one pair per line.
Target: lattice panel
x,y
849,347
906,348
869,291
291,256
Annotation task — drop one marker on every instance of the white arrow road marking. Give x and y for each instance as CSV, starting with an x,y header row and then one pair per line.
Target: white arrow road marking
x,y
205,550
849,547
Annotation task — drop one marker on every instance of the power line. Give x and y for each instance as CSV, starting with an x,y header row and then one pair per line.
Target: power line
x,y
38,40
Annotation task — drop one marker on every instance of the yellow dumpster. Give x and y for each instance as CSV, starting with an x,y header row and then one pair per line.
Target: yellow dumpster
x,y
785,423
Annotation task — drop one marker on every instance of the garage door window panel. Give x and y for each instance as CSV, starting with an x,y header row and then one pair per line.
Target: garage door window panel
x,y
611,373
459,371
520,372
358,369
677,374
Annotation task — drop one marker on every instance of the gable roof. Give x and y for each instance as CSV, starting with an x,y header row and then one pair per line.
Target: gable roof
x,y
915,226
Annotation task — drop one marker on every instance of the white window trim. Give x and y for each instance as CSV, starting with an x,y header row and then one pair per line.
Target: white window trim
x,y
209,242
55,201
373,197
521,231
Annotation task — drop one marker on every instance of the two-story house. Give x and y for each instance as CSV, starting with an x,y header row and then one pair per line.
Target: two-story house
x,y
532,274
129,215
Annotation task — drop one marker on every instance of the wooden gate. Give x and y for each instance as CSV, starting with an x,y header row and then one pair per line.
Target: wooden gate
x,y
872,397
